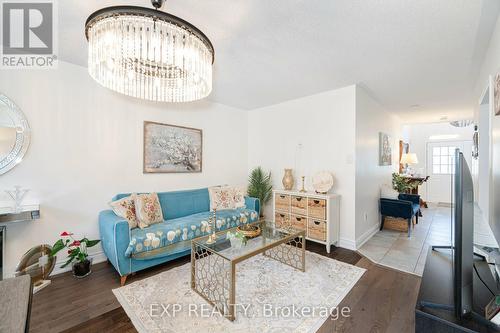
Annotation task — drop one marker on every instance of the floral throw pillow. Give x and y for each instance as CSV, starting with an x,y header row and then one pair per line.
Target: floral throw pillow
x,y
238,197
125,208
147,209
221,198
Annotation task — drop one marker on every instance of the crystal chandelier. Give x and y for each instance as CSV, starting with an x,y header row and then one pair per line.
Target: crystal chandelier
x,y
149,54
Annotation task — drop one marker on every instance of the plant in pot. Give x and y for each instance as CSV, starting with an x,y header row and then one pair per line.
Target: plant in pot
x,y
400,183
237,239
260,186
77,253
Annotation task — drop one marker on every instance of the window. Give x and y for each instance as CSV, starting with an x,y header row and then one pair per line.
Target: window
x,y
443,160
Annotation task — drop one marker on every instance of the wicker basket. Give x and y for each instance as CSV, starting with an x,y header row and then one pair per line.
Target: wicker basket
x,y
249,231
397,224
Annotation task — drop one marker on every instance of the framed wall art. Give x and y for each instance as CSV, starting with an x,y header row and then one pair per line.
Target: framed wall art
x,y
172,149
385,149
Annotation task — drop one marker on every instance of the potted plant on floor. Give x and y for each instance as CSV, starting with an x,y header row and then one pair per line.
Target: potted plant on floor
x,y
77,253
260,186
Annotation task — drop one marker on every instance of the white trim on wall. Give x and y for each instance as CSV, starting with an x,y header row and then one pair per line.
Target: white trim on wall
x,y
347,244
360,241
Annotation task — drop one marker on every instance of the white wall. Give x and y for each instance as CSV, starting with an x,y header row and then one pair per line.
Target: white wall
x,y
339,132
371,119
482,189
417,135
87,146
490,67
324,124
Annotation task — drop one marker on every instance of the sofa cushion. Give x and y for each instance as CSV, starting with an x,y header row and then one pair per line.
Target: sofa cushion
x,y
184,229
221,197
180,203
125,207
387,192
238,194
147,209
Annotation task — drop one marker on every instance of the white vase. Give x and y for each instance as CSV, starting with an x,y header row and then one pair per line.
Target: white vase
x,y
236,242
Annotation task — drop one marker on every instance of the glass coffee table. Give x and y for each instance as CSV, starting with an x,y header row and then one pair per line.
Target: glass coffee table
x,y
213,266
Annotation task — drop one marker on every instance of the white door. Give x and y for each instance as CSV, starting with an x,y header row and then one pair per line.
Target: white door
x,y
441,167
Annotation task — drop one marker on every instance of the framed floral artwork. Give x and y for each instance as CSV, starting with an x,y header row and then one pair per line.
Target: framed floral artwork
x,y
385,149
172,149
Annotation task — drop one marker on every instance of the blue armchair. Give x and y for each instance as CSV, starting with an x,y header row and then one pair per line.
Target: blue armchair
x,y
406,206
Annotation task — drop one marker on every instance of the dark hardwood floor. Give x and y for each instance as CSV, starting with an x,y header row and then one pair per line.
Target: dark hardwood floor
x,y
382,301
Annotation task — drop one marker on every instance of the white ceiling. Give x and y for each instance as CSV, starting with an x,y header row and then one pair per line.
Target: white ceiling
x,y
404,52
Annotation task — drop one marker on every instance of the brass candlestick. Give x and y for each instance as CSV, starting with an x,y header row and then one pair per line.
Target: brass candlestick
x,y
212,222
303,190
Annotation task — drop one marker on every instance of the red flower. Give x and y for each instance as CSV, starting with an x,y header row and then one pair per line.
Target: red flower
x,y
65,233
75,243
69,251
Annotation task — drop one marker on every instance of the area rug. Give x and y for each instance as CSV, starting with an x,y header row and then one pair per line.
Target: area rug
x,y
271,297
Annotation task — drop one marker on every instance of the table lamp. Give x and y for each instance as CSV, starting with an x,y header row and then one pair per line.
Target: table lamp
x,y
409,159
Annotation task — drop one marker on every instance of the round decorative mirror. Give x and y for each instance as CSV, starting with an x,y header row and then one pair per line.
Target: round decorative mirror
x,y
14,134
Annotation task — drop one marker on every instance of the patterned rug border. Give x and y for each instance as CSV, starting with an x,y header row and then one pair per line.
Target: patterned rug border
x,y
314,328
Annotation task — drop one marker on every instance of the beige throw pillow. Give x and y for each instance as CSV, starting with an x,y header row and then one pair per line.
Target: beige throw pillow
x,y
238,197
387,192
147,209
125,208
221,198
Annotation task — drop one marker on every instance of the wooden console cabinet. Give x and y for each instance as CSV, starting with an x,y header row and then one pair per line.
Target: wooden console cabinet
x,y
317,214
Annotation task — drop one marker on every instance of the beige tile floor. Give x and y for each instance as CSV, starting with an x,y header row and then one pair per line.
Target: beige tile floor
x,y
396,250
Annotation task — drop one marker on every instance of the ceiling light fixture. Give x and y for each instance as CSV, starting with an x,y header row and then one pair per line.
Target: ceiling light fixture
x,y
149,54
462,123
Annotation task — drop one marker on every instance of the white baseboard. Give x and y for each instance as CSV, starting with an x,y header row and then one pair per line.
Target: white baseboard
x,y
347,244
367,235
96,258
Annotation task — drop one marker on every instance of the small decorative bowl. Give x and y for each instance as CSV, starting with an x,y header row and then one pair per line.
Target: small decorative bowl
x,y
250,231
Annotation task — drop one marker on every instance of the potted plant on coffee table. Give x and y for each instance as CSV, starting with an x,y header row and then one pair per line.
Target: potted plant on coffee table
x,y
77,253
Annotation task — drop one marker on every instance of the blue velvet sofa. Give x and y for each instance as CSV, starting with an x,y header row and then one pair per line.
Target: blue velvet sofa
x,y
406,206
186,215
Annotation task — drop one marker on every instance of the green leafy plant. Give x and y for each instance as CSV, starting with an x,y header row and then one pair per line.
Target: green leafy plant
x,y
260,186
400,183
77,249
237,235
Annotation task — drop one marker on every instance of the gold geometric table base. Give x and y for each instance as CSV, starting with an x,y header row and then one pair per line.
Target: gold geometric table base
x,y
213,276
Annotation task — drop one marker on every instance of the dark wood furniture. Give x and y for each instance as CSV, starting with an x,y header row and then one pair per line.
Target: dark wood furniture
x,y
437,288
418,180
15,304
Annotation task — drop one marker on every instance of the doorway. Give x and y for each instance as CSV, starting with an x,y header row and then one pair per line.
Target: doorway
x,y
441,166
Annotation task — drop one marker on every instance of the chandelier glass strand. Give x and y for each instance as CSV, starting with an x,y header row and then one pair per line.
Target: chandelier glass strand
x,y
149,54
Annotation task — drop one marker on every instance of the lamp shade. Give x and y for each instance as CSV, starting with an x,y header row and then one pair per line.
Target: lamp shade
x,y
410,158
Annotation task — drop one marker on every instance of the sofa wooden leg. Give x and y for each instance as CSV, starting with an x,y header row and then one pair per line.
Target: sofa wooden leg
x,y
416,218
409,226
382,222
123,279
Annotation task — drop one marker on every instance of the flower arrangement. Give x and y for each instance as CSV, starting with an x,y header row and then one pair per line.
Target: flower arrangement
x,y
236,238
77,252
400,183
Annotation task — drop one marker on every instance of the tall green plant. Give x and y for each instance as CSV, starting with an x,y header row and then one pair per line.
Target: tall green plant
x,y
260,186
